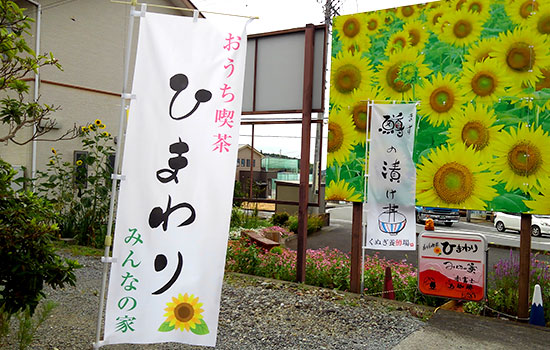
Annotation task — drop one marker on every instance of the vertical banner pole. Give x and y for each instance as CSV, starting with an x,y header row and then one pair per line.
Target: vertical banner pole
x,y
251,167
304,158
356,247
366,176
116,170
524,264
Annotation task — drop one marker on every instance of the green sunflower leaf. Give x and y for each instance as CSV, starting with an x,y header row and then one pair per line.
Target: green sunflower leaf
x,y
165,327
200,329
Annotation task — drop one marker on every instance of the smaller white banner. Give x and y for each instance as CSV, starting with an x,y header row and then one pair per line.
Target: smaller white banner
x,y
392,178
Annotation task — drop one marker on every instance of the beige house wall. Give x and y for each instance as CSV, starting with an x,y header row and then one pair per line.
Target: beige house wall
x,y
88,38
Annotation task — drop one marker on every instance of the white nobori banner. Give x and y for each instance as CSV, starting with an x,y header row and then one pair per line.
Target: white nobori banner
x,y
392,178
174,205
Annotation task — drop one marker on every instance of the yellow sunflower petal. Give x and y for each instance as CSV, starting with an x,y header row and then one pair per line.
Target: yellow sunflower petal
x,y
348,73
441,99
340,136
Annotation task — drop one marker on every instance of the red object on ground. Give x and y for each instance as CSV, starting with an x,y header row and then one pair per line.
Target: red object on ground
x,y
388,285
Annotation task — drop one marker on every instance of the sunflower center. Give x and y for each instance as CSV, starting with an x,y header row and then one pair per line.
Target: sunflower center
x,y
360,116
351,27
462,28
372,24
414,35
520,57
391,77
453,183
483,84
335,137
348,78
543,82
475,7
459,4
441,100
476,134
399,42
524,159
184,312
543,25
527,8
407,11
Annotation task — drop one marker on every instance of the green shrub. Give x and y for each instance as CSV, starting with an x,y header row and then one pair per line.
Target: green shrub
x,y
28,256
279,219
314,223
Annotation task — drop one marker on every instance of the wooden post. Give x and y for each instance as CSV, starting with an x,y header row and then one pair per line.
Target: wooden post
x,y
524,265
356,246
304,158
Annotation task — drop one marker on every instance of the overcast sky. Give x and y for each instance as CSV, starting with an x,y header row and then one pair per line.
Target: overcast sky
x,y
285,14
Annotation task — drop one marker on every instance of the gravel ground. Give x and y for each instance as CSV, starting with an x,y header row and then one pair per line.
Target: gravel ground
x,y
255,313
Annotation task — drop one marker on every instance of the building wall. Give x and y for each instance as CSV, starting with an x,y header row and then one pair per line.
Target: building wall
x,y
88,38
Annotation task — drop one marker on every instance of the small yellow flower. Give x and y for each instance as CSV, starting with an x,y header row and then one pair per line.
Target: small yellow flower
x,y
79,162
437,250
92,127
51,161
102,126
54,151
98,122
106,134
84,129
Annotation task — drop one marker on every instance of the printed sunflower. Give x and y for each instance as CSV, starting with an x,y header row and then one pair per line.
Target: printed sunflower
x,y
442,98
348,73
520,11
522,53
374,22
476,128
454,177
341,191
408,13
387,76
522,160
359,113
184,313
540,22
350,28
462,28
484,81
481,8
397,42
341,135
417,34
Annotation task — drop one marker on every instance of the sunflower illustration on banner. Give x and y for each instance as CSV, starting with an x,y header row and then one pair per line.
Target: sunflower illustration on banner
x,y
480,72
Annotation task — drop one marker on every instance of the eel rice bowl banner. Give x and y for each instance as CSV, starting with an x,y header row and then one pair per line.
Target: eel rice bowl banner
x,y
179,166
392,177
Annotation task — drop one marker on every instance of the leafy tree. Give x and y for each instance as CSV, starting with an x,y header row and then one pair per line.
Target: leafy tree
x,y
18,60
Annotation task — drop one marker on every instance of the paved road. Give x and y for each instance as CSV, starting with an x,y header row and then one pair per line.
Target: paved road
x,y
338,235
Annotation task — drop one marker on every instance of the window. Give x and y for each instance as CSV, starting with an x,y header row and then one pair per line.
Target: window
x,y
254,162
248,163
242,162
238,161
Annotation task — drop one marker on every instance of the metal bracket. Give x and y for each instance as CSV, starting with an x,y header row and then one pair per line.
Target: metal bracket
x,y
108,260
140,13
127,96
98,344
118,177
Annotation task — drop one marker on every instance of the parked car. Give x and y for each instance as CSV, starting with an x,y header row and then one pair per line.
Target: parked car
x,y
445,216
539,223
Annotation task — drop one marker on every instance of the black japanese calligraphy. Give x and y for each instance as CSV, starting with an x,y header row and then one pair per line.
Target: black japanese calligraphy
x,y
178,83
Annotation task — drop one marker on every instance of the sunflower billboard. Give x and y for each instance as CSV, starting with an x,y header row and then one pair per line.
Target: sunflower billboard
x,y
480,72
